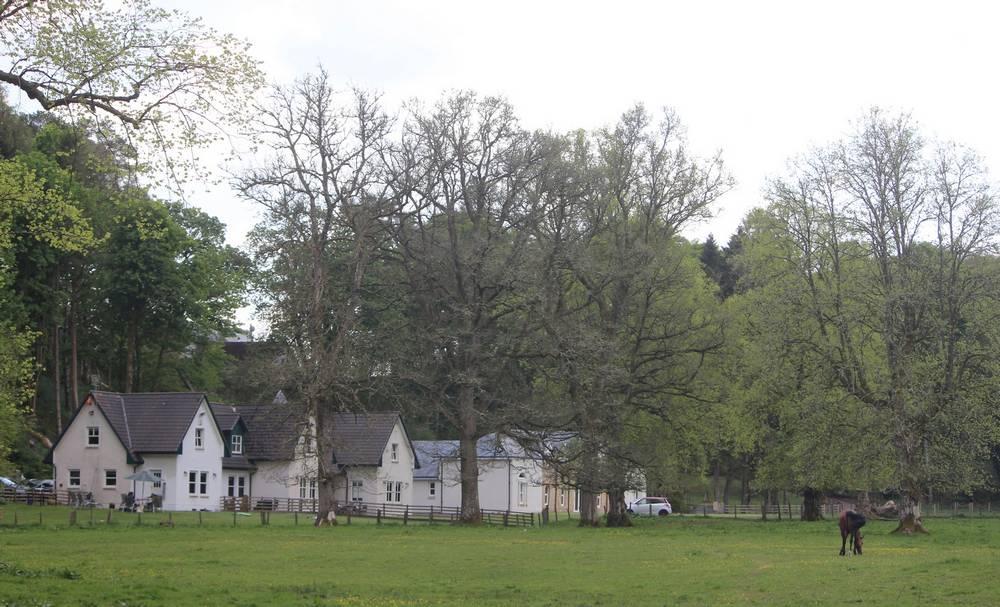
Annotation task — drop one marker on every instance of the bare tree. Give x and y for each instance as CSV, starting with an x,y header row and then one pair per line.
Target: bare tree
x,y
463,248
326,192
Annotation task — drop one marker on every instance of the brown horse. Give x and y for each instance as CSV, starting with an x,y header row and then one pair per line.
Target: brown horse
x,y
851,523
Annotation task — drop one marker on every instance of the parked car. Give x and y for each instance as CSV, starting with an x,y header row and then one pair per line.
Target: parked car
x,y
41,484
10,485
651,506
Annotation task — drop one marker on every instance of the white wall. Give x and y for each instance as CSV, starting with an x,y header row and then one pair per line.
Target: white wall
x,y
422,493
206,458
399,471
72,452
498,484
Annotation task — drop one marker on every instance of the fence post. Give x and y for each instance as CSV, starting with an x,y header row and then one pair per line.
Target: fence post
x,y
297,518
234,517
378,516
170,519
199,518
349,515
72,517
506,517
532,514
109,516
406,514
140,518
432,515
91,515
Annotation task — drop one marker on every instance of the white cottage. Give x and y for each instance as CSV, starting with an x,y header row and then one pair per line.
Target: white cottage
x,y
173,435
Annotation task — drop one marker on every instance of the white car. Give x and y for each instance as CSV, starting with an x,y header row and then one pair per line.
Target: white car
x,y
650,506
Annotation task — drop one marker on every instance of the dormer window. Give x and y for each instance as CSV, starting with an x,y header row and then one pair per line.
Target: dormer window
x,y
237,444
93,436
394,454
199,438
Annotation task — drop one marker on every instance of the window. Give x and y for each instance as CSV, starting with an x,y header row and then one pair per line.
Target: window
x,y
231,490
93,436
199,438
562,498
433,488
158,474
356,488
74,478
545,496
393,491
241,486
197,483
576,503
110,479
522,490
237,444
307,488
395,452
302,487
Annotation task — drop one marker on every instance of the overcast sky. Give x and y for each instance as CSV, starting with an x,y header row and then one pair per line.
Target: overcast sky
x,y
760,81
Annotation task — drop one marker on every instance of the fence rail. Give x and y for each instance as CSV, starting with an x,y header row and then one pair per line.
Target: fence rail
x,y
404,512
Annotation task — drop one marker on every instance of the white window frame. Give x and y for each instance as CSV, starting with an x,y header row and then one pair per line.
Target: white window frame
x,y
522,489
241,486
562,498
357,490
399,491
114,474
388,491
302,487
394,453
236,445
203,483
433,488
71,479
231,486
93,436
192,482
545,496
157,474
199,438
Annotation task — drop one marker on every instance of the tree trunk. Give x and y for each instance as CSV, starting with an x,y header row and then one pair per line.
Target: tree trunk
x,y
765,504
56,378
130,341
468,457
327,502
811,504
74,366
588,508
617,510
909,514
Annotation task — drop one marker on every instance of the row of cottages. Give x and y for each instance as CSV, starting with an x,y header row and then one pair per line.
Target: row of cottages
x,y
202,453
510,478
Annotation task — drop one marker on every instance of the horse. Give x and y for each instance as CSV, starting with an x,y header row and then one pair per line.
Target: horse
x,y
851,523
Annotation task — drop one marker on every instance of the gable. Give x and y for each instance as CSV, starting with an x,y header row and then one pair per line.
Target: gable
x,y
91,407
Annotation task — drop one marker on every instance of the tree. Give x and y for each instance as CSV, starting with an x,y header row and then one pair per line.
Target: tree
x,y
326,194
146,74
892,255
463,245
625,306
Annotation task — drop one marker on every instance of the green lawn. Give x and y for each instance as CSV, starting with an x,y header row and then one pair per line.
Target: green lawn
x,y
677,561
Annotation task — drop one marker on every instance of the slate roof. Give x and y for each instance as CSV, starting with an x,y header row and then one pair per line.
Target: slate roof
x,y
147,422
226,415
430,453
359,439
272,431
237,462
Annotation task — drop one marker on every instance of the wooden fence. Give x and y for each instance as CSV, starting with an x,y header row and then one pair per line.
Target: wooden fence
x,y
404,512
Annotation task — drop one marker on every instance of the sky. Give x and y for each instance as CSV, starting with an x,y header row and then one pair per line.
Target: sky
x,y
757,81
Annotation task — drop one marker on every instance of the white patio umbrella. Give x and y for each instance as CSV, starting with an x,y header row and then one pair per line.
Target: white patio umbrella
x,y
143,477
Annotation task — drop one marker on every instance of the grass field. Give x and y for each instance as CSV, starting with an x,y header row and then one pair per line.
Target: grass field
x,y
677,561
